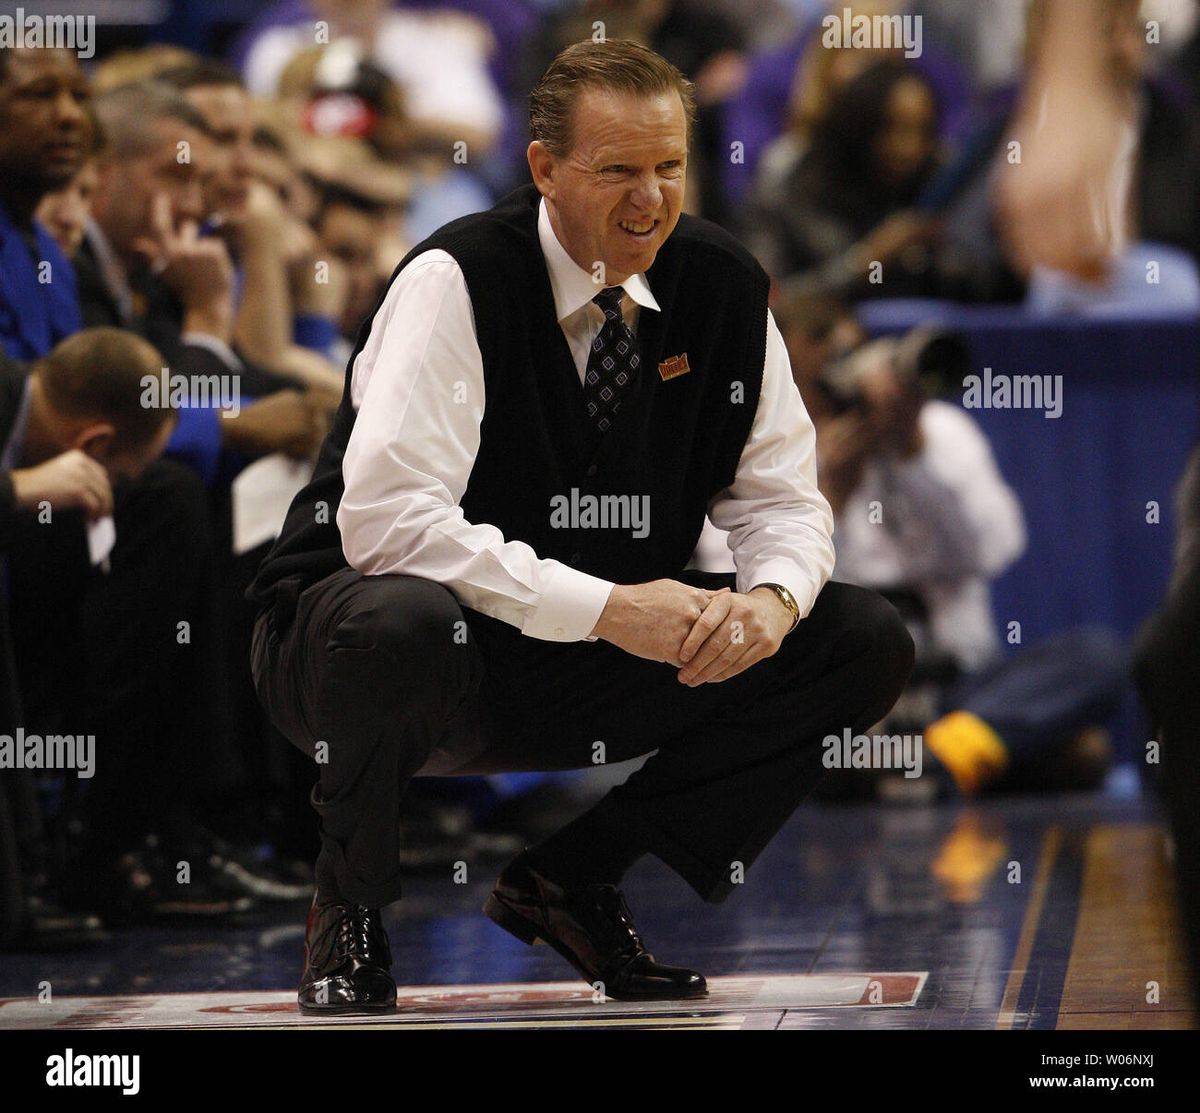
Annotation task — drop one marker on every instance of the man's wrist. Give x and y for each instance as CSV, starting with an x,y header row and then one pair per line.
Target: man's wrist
x,y
784,598
606,614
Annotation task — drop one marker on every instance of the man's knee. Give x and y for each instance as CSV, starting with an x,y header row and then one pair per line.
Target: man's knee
x,y
405,628
871,633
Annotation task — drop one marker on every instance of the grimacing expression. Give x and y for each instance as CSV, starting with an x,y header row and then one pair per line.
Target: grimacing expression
x,y
616,197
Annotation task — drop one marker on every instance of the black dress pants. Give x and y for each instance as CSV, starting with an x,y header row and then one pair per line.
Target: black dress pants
x,y
383,678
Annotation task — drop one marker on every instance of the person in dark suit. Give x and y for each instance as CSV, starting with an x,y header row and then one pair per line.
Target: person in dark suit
x,y
69,427
44,133
488,570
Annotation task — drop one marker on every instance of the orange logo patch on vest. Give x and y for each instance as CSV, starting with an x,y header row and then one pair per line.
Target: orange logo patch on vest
x,y
674,367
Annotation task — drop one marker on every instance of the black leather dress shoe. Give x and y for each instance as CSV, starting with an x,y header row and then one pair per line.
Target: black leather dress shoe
x,y
347,961
592,928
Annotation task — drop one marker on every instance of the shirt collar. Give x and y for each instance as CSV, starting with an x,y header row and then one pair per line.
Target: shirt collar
x,y
112,271
573,286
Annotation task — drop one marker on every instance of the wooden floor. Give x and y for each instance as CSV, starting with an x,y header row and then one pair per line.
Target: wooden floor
x,y
1127,968
1020,913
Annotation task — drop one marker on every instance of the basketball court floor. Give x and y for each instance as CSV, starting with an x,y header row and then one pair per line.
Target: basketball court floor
x,y
1018,913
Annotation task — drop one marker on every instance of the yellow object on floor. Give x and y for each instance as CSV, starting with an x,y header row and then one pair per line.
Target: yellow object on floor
x,y
974,754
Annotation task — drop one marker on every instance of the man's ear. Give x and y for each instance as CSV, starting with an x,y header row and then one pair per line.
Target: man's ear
x,y
96,440
541,167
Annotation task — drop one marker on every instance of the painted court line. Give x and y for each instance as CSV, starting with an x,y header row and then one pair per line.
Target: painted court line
x,y
730,999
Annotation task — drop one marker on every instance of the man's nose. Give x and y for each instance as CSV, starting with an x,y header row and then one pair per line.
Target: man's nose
x,y
647,195
243,160
68,112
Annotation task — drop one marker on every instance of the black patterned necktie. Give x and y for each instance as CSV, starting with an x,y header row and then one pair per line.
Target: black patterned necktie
x,y
612,363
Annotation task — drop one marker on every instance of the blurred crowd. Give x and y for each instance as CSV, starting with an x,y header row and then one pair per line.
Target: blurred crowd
x,y
234,217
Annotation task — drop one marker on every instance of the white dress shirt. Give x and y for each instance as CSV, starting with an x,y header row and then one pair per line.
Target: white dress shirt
x,y
950,524
418,387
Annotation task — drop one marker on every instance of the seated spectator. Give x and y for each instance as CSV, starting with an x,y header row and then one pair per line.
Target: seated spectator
x,y
64,212
126,652
337,95
143,265
758,114
868,209
349,226
820,73
321,281
267,243
274,165
70,427
45,131
845,218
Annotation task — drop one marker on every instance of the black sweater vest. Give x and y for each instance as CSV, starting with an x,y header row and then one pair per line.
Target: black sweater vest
x,y
674,443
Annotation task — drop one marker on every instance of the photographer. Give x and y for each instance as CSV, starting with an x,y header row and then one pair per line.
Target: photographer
x,y
916,494
923,515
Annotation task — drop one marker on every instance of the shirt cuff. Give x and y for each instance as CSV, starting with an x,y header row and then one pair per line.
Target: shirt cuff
x,y
788,575
570,607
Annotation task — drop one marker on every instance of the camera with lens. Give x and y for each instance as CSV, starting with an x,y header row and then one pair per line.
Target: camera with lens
x,y
933,361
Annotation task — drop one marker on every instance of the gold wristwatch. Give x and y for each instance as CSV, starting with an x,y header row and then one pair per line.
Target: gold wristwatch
x,y
787,599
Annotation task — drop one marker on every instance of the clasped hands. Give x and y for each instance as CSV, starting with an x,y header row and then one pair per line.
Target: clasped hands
x,y
708,635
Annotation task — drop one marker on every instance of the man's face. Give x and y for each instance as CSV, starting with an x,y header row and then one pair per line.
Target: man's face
x,y
226,110
45,129
617,196
352,236
65,211
125,197
276,170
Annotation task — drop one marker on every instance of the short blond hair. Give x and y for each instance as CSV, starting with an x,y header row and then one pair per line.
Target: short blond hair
x,y
98,374
617,65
